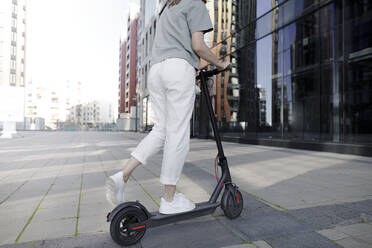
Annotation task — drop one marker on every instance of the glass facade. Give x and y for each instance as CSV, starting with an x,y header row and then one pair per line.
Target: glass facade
x,y
302,70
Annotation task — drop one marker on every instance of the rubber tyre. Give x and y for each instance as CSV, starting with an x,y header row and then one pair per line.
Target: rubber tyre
x,y
129,215
230,206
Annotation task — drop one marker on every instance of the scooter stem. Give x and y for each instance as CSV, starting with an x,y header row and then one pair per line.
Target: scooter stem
x,y
212,117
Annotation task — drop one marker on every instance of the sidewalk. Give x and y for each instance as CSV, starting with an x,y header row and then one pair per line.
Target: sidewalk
x,y
52,194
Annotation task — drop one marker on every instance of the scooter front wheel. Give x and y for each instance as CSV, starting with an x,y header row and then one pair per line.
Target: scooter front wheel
x,y
232,203
119,228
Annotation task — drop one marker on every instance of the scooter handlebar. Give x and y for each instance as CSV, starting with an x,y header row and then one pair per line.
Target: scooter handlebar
x,y
213,72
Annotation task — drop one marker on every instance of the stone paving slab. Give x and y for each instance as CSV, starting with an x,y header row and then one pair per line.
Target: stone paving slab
x,y
333,234
353,243
262,244
38,230
357,235
93,224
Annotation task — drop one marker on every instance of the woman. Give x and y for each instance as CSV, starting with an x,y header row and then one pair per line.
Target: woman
x,y
177,48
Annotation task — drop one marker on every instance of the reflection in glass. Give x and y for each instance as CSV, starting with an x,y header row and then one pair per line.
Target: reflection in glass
x,y
308,79
358,102
264,6
267,87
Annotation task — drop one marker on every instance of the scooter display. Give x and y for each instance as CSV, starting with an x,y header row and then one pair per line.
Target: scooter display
x,y
129,220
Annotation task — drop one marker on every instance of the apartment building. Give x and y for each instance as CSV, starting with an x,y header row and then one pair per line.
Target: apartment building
x,y
12,42
128,77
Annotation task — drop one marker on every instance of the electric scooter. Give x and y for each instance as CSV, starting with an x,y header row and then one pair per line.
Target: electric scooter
x,y
129,220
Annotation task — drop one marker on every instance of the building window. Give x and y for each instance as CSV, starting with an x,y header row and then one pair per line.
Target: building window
x,y
12,78
12,64
14,8
146,76
14,22
14,36
13,50
146,47
1,48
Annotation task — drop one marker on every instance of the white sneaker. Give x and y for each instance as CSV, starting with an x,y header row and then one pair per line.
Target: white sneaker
x,y
115,188
179,204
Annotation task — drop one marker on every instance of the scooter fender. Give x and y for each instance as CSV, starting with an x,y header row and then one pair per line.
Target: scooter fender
x,y
229,189
118,208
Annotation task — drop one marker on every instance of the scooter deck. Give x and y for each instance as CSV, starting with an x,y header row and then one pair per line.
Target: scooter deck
x,y
201,209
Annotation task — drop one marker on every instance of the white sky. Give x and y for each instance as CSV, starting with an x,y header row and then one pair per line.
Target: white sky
x,y
77,40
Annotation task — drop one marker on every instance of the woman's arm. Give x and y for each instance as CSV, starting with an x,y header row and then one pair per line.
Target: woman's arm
x,y
204,51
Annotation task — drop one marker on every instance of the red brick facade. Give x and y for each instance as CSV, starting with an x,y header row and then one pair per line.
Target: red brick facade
x,y
122,77
133,63
128,52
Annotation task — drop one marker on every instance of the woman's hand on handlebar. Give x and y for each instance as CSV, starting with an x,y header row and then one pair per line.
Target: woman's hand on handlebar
x,y
223,65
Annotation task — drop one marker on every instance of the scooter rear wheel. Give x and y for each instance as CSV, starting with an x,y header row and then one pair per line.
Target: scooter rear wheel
x,y
119,226
232,203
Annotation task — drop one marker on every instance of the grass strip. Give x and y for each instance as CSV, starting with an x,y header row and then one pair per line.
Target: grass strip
x,y
81,190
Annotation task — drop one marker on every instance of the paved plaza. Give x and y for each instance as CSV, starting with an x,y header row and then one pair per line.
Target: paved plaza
x,y
52,194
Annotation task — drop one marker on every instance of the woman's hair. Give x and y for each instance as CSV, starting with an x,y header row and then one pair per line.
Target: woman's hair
x,y
175,2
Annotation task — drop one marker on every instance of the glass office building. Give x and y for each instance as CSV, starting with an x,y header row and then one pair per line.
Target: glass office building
x,y
302,71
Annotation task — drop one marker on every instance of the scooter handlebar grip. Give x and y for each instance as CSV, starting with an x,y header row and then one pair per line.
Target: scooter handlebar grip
x,y
214,72
228,68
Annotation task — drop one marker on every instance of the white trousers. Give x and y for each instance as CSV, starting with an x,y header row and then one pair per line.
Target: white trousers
x,y
171,85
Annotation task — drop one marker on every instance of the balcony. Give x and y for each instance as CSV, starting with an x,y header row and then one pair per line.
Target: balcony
x,y
234,86
233,98
234,108
234,73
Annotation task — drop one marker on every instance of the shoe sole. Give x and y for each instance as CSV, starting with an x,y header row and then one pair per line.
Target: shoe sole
x,y
111,191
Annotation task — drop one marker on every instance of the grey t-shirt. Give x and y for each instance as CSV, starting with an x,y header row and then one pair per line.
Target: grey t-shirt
x,y
173,35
